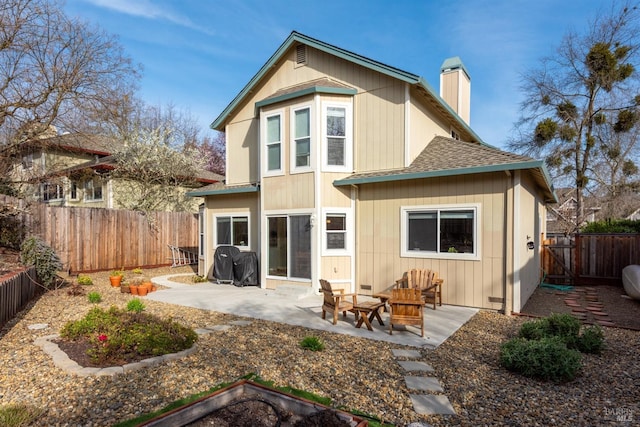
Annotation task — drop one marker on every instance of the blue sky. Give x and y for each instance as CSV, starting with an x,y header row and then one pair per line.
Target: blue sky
x,y
198,54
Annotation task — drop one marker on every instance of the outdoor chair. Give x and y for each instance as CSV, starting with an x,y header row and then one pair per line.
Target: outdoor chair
x,y
335,301
426,281
406,307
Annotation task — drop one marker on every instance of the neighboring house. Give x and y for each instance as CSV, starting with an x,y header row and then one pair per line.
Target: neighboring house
x,y
72,170
343,168
562,217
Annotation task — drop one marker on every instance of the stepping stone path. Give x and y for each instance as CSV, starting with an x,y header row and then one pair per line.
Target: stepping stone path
x,y
424,404
586,307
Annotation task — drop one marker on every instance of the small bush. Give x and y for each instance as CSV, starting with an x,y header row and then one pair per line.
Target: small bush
x,y
564,326
199,279
116,273
135,305
312,343
612,226
94,297
591,340
19,415
85,280
36,252
547,358
137,271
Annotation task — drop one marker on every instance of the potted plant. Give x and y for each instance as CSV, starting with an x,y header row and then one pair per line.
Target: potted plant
x,y
134,285
116,278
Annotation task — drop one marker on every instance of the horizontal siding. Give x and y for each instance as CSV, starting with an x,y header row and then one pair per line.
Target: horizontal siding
x,y
469,283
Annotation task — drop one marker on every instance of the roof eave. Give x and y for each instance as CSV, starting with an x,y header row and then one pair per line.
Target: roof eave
x,y
223,191
403,176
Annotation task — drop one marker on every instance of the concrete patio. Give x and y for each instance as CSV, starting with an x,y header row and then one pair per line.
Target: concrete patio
x,y
281,306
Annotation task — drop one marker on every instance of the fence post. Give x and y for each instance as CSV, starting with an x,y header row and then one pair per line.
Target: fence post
x,y
577,264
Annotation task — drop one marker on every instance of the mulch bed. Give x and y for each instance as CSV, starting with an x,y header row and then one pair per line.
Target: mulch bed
x,y
621,310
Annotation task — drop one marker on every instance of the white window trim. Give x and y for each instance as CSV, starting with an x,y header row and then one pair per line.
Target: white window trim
x,y
348,149
288,214
78,190
55,199
263,146
404,211
292,131
232,215
349,232
84,192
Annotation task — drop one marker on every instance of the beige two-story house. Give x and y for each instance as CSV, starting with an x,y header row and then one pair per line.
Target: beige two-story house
x,y
343,168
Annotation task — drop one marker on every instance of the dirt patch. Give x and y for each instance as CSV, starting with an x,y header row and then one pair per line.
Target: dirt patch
x,y
260,412
621,310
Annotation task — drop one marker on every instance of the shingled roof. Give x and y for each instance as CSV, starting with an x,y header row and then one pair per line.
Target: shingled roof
x,y
448,157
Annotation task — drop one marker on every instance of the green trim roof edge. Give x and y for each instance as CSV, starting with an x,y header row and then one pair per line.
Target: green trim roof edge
x,y
253,189
344,54
401,176
307,91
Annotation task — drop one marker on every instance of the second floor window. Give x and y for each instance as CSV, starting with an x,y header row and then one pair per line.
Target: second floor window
x,y
274,143
93,190
302,137
336,136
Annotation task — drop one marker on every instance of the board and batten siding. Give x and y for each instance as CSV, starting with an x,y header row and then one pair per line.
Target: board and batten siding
x,y
424,125
241,203
288,192
379,113
468,283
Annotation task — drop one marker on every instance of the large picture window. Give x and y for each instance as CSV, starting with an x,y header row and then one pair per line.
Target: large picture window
x,y
289,246
443,232
232,230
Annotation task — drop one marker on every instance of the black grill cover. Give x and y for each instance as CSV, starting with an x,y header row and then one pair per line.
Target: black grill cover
x,y
223,263
245,269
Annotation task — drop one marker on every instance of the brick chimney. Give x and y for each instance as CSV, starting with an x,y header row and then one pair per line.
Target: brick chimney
x,y
455,87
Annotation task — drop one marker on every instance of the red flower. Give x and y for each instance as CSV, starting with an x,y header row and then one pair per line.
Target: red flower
x,y
102,337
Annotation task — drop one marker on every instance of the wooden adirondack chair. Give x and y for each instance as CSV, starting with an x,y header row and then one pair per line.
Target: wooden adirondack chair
x,y
426,281
406,307
335,301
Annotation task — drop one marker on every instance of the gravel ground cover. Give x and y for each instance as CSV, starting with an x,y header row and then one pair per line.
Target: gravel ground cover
x,y
355,372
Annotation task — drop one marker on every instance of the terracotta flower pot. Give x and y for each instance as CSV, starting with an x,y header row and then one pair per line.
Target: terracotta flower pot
x,y
115,280
148,285
142,291
134,289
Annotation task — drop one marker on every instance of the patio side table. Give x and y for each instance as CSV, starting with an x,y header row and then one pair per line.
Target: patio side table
x,y
370,308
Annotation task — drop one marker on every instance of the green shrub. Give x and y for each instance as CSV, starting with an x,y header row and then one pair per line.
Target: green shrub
x,y
116,335
19,415
199,279
36,252
94,297
591,340
546,358
137,271
135,305
85,280
612,226
312,343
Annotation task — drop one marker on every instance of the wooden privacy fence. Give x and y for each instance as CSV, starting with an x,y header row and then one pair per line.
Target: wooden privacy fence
x,y
95,239
15,292
589,259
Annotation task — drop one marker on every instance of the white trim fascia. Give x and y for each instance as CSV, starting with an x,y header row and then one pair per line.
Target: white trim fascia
x,y
316,255
517,228
407,125
352,238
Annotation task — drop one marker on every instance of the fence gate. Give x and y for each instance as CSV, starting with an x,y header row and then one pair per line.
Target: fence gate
x,y
558,260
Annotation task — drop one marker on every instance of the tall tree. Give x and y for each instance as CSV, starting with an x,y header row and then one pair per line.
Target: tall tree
x,y
54,68
590,83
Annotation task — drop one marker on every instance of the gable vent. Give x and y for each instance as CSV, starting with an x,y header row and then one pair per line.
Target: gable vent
x,y
301,54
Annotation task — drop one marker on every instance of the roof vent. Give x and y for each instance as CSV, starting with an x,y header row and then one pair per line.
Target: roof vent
x,y
301,54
